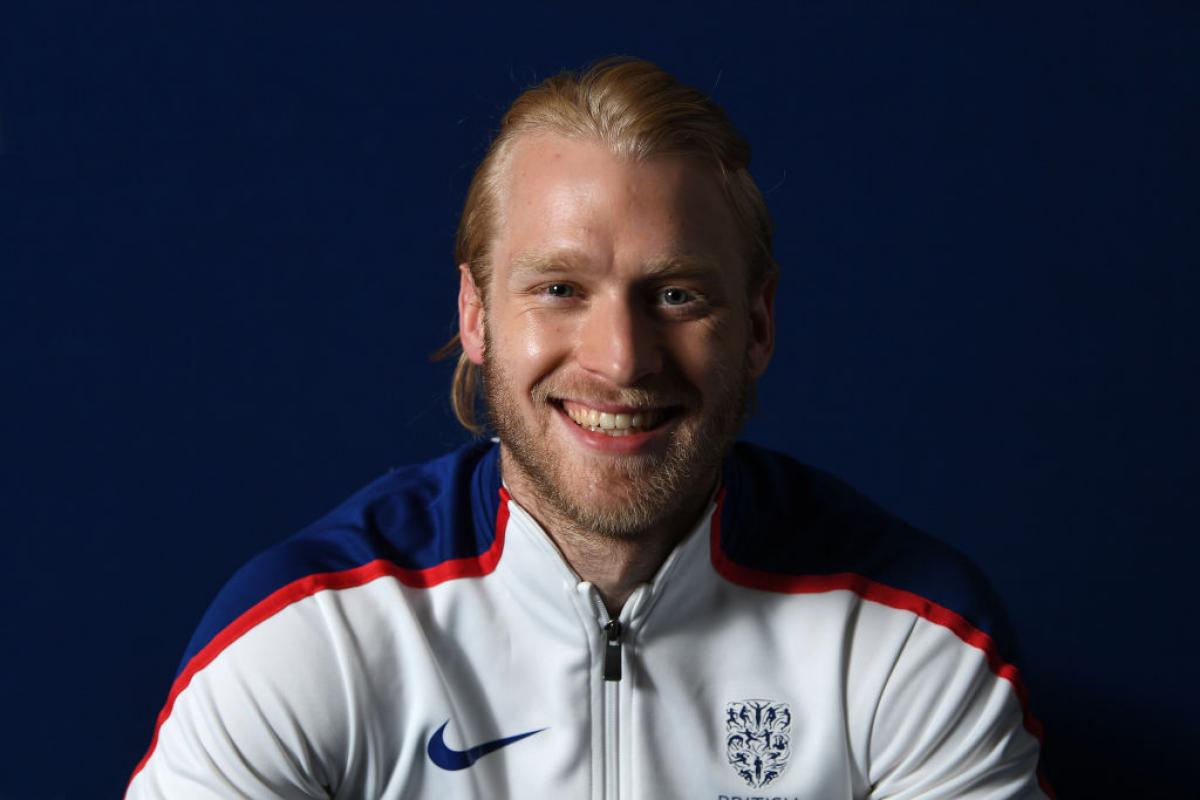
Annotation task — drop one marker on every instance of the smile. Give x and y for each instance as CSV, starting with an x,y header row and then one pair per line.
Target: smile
x,y
614,423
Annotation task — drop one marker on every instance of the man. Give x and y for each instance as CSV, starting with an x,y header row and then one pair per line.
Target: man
x,y
615,600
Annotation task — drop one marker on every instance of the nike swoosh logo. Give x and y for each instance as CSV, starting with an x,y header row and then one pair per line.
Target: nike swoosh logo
x,y
447,758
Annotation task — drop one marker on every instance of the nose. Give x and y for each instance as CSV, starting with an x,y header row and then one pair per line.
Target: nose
x,y
619,342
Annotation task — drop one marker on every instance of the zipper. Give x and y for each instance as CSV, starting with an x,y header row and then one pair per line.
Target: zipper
x,y
612,650
612,775
611,630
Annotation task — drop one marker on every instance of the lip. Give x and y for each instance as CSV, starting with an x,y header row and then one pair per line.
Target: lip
x,y
630,444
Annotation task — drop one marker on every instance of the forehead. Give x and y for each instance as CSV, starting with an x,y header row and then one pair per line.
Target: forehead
x,y
561,194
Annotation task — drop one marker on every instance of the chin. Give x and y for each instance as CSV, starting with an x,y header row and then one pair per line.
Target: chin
x,y
620,497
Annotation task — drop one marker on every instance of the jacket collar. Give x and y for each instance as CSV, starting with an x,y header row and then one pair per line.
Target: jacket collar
x,y
539,577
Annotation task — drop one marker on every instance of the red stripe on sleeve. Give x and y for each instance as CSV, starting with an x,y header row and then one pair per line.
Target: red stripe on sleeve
x,y
884,595
470,567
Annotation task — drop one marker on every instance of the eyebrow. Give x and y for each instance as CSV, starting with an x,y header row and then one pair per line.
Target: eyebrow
x,y
685,265
541,263
681,265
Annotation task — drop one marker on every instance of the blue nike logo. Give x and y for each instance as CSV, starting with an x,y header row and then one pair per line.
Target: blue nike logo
x,y
446,758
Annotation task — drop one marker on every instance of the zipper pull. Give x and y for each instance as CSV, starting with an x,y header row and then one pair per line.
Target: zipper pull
x,y
612,651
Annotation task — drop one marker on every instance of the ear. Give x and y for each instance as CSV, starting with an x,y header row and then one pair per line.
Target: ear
x,y
762,324
470,316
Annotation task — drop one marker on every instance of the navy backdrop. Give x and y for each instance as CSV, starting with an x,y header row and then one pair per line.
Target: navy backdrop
x,y
226,257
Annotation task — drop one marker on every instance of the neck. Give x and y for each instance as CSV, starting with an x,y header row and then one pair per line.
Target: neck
x,y
615,565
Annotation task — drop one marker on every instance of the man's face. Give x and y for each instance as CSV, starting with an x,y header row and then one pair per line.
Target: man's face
x,y
617,337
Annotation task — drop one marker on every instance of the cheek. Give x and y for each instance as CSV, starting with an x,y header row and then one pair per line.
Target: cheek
x,y
530,345
706,353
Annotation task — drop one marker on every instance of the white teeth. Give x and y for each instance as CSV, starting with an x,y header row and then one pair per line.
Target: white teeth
x,y
612,424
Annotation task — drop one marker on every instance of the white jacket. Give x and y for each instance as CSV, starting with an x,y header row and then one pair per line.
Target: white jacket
x,y
427,640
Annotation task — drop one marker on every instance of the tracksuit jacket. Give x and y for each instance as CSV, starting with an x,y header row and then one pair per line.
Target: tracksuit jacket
x,y
427,640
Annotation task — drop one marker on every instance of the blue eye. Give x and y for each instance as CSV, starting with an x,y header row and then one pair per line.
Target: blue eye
x,y
560,290
675,296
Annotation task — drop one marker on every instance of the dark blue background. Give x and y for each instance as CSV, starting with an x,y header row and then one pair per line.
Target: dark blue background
x,y
226,256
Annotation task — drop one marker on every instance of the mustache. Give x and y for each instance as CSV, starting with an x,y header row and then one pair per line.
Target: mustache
x,y
638,397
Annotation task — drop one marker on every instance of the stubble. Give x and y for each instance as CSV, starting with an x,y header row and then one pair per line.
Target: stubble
x,y
620,497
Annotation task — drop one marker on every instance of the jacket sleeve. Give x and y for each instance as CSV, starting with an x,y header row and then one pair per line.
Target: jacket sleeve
x,y
950,723
258,717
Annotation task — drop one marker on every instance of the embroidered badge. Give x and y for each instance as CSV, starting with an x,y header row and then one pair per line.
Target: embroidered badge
x,y
758,739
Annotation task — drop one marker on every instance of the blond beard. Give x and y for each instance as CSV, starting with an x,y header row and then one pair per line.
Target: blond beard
x,y
655,489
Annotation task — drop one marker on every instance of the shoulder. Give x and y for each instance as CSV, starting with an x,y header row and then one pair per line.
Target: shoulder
x,y
248,687
788,526
421,524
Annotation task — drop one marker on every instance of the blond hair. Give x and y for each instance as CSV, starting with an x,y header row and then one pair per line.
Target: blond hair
x,y
639,111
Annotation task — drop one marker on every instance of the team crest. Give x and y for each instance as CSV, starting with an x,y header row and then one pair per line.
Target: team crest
x,y
758,740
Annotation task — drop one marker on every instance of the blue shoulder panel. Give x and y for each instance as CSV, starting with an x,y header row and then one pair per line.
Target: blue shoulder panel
x,y
784,517
416,517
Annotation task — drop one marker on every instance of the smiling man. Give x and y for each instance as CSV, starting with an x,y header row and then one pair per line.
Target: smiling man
x,y
618,337
614,600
